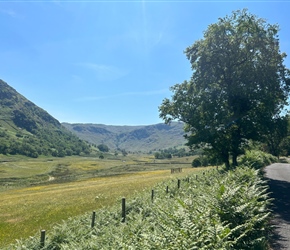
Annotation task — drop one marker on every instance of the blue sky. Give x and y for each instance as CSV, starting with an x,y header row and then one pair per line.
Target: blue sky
x,y
110,62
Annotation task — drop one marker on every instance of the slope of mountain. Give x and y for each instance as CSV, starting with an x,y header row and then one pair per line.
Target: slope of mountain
x,y
29,130
131,138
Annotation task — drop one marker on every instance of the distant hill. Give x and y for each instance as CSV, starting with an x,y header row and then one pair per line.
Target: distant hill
x,y
29,130
131,138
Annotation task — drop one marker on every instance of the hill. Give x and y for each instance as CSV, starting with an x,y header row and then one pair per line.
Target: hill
x,y
131,138
29,130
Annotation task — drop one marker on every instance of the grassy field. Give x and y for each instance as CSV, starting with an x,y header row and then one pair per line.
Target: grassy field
x,y
38,193
210,210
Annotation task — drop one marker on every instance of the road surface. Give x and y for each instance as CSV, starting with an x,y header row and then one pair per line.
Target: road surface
x,y
279,183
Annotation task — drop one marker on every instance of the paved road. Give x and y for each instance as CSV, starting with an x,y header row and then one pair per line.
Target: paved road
x,y
279,182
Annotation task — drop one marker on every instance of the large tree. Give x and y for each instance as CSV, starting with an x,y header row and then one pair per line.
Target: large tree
x,y
238,89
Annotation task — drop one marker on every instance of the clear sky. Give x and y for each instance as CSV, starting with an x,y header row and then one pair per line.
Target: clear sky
x,y
110,62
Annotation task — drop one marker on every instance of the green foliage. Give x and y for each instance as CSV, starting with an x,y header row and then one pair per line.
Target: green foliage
x,y
124,152
218,210
257,159
103,148
238,88
26,129
206,160
196,162
276,136
169,152
162,155
285,146
278,140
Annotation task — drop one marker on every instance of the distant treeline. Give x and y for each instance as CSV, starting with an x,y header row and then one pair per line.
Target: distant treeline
x,y
170,152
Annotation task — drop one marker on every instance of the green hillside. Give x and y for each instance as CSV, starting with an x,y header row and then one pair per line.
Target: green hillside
x,y
29,130
131,138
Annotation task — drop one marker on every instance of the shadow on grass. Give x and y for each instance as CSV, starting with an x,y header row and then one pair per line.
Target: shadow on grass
x,y
280,192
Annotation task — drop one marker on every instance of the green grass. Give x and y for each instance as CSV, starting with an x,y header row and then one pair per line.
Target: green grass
x,y
19,171
217,210
38,193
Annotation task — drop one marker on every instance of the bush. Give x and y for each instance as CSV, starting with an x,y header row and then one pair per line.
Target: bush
x,y
257,159
201,161
196,163
103,148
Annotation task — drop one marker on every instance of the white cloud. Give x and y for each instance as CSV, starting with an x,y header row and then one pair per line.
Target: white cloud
x,y
137,93
105,72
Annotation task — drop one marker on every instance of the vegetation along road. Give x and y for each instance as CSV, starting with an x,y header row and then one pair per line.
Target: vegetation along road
x,y
279,182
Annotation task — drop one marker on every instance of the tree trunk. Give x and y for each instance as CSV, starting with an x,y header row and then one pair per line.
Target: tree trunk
x,y
225,158
227,163
235,162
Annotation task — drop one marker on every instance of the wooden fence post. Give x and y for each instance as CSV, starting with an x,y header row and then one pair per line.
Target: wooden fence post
x,y
178,183
93,219
167,189
42,238
152,195
123,209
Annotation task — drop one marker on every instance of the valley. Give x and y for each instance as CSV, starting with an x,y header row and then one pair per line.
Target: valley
x,y
38,193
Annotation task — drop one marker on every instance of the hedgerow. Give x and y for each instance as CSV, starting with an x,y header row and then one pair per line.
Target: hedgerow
x,y
214,210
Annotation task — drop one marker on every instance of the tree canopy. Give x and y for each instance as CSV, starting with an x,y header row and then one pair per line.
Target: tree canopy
x,y
238,89
103,148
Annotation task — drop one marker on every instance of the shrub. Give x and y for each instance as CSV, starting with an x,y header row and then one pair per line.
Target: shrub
x,y
103,148
257,159
196,163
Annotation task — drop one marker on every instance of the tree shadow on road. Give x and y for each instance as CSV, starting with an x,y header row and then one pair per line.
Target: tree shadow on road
x,y
280,192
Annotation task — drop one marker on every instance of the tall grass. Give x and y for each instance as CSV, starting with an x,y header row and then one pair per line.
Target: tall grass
x,y
216,210
25,211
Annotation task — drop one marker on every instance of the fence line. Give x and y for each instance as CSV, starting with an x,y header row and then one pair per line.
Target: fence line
x,y
123,205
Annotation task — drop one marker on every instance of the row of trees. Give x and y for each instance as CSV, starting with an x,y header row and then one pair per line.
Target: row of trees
x,y
170,152
162,155
238,91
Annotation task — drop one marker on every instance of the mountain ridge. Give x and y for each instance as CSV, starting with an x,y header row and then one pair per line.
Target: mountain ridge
x,y
27,129
139,138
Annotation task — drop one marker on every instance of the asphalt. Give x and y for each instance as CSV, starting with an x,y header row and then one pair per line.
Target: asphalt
x,y
278,175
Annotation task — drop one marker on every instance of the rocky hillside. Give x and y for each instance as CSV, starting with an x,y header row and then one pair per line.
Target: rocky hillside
x,y
29,130
131,138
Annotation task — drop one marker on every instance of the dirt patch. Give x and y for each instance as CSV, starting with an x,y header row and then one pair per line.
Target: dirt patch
x,y
13,220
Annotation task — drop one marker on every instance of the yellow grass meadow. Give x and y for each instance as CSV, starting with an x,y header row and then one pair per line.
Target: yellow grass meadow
x,y
25,211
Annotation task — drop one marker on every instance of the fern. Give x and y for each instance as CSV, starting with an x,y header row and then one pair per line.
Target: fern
x,y
218,210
